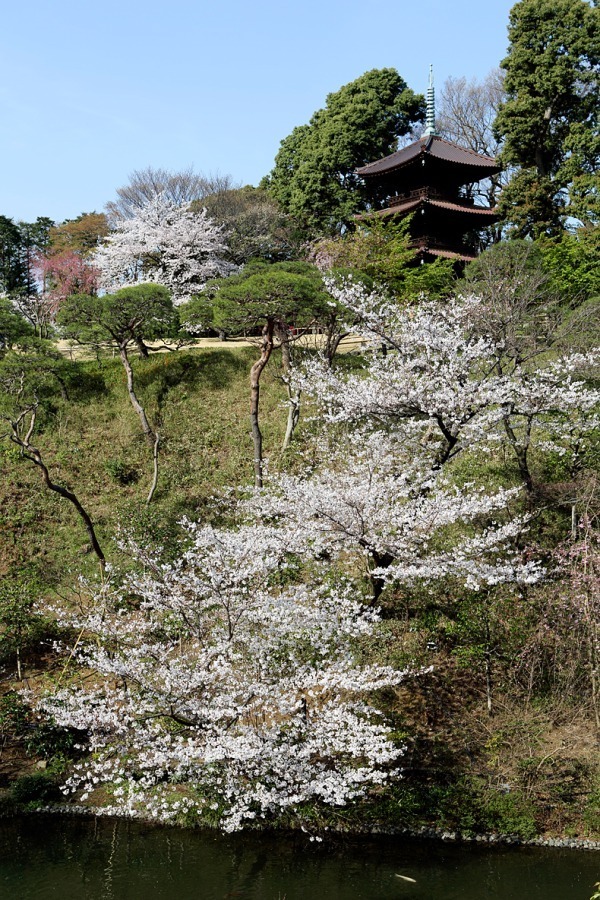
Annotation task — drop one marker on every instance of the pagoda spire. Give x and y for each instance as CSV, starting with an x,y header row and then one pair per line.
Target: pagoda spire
x,y
430,104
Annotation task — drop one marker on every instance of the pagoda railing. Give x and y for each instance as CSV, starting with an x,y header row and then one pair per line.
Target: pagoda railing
x,y
429,193
436,243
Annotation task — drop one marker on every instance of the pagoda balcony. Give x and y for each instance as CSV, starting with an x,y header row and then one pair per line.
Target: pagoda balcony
x,y
437,243
430,193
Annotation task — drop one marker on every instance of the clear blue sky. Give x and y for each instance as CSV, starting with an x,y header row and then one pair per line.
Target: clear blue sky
x,y
90,91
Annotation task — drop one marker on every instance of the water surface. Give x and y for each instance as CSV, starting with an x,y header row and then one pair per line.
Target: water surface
x,y
46,857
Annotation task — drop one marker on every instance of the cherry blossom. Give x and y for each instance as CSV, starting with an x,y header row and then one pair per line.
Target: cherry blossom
x,y
228,681
215,686
166,244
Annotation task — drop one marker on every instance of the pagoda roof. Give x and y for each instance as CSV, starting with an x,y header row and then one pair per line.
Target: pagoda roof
x,y
414,203
433,146
425,248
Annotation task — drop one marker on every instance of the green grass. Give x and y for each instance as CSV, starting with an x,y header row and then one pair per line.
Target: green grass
x,y
92,443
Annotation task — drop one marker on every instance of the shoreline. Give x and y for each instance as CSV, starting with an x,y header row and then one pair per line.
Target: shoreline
x,y
421,833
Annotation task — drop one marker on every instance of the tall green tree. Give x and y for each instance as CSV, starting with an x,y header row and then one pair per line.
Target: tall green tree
x,y
19,242
12,264
549,121
313,178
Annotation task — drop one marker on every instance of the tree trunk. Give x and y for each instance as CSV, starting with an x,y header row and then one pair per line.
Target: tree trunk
x,y
332,342
142,347
520,450
62,387
293,394
255,372
155,476
382,560
152,437
293,414
148,432
34,455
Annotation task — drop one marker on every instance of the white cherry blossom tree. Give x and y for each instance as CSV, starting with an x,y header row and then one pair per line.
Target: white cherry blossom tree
x,y
165,244
228,681
381,503
448,386
215,689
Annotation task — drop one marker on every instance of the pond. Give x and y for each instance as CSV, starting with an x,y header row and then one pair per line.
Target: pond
x,y
43,857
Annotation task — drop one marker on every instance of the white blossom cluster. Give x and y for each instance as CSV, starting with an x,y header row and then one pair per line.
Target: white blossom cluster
x,y
444,380
219,686
380,500
165,244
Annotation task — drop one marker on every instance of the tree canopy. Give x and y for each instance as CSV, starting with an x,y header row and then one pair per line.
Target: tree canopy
x,y
290,293
13,327
549,121
380,249
140,312
254,223
313,177
79,235
166,244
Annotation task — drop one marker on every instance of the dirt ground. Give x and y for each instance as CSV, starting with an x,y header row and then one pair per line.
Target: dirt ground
x,y
312,341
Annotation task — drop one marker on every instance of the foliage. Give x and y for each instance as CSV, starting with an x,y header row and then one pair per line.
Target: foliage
x,y
572,263
141,312
80,235
35,789
290,292
13,273
21,626
380,248
13,326
313,178
121,471
32,372
19,242
255,225
538,294
38,734
14,716
548,122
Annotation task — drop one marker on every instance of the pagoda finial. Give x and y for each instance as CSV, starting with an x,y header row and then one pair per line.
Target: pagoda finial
x,y
430,101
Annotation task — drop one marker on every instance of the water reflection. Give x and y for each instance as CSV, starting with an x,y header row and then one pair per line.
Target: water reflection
x,y
54,857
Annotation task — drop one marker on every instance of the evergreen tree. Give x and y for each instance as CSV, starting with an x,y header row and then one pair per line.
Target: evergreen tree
x,y
549,122
313,178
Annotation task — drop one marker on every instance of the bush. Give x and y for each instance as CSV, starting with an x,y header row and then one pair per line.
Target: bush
x,y
122,472
35,789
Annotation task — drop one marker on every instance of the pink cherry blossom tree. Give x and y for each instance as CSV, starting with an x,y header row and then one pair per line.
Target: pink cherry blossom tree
x,y
64,274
